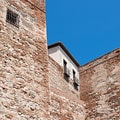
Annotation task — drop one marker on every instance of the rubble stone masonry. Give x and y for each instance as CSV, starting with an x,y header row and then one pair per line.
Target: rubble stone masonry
x,y
100,87
24,89
64,103
32,86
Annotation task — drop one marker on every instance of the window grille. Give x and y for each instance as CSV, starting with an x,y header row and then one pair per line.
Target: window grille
x,y
12,18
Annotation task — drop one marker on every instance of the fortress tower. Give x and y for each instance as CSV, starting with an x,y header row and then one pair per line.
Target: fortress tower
x,y
24,88
40,83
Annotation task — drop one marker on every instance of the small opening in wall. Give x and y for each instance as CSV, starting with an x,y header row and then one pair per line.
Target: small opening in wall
x,y
75,86
12,18
66,71
75,80
74,75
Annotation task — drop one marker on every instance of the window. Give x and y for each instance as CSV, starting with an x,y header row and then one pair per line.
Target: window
x,y
12,18
74,75
75,85
75,80
65,66
66,71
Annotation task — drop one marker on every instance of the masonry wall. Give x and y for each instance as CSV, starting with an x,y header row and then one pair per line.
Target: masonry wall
x,y
65,103
28,91
58,54
24,89
100,87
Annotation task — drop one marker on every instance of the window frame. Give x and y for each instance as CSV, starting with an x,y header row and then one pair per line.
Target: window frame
x,y
12,18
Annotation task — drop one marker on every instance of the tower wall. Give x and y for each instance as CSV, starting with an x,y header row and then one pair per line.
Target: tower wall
x,y
24,91
64,103
32,86
100,87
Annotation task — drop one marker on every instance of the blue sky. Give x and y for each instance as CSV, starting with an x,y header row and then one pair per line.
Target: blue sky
x,y
88,28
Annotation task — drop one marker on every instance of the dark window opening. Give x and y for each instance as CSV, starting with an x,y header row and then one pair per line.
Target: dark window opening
x,y
74,75
12,18
65,65
75,80
66,71
75,85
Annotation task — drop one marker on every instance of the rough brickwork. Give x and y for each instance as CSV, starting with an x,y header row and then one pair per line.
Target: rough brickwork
x,y
32,86
65,103
24,91
100,87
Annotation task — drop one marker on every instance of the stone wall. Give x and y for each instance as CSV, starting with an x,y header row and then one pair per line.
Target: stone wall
x,y
100,87
24,89
64,99
40,4
32,86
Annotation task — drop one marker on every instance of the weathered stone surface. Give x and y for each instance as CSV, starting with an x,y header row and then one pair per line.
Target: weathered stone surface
x,y
65,103
58,82
100,87
24,89
32,86
62,108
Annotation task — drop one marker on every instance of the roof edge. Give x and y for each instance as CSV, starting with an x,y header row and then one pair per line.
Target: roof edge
x,y
66,51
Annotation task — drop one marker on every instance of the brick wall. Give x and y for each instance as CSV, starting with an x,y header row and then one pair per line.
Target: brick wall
x,y
40,4
28,91
100,87
24,91
64,103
